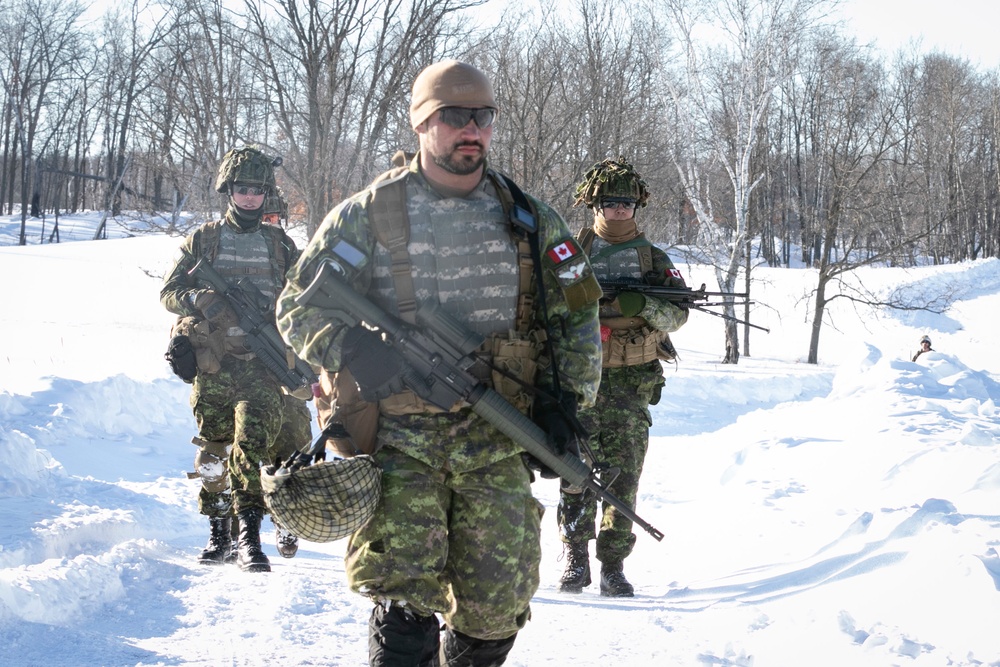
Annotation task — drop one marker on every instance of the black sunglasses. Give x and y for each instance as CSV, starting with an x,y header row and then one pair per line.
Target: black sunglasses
x,y
615,202
459,117
248,190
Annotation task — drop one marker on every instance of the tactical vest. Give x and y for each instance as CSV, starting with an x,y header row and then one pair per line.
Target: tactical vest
x,y
207,245
514,351
628,341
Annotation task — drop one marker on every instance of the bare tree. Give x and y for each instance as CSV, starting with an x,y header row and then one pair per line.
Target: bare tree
x,y
722,99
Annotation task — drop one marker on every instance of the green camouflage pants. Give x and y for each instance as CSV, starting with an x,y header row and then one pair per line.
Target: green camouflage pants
x,y
619,436
296,427
243,405
465,545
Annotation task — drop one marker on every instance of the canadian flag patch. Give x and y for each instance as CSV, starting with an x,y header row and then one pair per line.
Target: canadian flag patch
x,y
674,273
562,252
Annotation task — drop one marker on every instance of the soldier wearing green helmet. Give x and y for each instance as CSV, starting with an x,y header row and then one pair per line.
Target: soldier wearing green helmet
x,y
634,341
243,415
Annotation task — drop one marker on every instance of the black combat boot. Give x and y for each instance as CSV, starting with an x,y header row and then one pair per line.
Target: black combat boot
x,y
399,638
249,555
285,541
458,650
613,581
576,576
219,543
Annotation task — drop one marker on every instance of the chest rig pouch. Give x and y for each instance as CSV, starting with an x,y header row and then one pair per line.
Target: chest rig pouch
x,y
628,341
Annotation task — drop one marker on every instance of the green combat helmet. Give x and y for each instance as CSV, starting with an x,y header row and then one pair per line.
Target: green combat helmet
x,y
246,165
611,178
275,207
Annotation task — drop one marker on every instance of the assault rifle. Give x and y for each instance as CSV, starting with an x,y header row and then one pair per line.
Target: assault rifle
x,y
436,357
692,299
257,321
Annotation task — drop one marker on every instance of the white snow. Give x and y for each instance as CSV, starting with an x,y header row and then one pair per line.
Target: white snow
x,y
845,513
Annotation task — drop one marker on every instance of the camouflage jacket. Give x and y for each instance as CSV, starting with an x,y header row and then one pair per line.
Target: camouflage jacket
x,y
612,263
316,338
178,286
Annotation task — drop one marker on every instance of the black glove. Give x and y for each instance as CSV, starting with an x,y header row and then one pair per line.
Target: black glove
x,y
560,422
376,367
559,426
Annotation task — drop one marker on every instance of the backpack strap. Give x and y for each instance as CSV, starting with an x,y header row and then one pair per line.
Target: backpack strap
x,y
391,224
524,221
585,237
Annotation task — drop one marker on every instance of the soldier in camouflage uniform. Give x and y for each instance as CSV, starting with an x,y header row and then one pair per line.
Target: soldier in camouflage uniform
x,y
238,404
634,340
457,529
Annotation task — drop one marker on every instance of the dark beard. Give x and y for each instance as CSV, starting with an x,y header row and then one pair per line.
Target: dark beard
x,y
463,166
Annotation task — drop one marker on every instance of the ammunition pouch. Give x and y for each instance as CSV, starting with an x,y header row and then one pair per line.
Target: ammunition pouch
x,y
211,465
208,343
629,345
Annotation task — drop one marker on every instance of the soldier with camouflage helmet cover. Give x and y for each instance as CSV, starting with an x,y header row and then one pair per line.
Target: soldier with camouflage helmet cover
x,y
244,418
634,340
456,533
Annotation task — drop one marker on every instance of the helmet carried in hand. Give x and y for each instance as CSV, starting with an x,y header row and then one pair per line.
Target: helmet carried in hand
x,y
325,501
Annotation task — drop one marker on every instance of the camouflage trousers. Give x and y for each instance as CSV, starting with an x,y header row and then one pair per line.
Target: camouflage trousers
x,y
462,544
243,406
619,436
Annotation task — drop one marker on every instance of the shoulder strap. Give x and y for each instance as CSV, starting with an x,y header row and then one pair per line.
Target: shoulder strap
x,y
585,237
391,224
208,240
524,219
274,239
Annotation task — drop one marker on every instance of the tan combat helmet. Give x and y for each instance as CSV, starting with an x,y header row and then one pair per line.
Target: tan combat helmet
x,y
611,178
247,165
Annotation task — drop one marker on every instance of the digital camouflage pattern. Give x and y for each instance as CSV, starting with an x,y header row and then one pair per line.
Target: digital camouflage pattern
x,y
619,422
482,577
242,404
457,531
619,435
246,165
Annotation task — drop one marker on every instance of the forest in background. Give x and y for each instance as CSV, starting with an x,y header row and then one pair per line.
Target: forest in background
x,y
761,127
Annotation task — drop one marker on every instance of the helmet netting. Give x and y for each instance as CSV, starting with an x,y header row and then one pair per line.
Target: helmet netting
x,y
611,178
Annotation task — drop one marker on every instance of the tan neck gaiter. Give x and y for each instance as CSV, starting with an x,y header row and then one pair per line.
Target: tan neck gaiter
x,y
615,231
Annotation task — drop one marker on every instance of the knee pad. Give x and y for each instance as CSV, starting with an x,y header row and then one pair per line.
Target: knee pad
x,y
210,464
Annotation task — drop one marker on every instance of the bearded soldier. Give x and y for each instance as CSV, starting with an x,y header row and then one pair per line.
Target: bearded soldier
x,y
456,532
238,403
634,340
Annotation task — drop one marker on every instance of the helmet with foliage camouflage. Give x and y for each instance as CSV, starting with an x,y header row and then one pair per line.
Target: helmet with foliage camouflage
x,y
325,501
611,178
246,165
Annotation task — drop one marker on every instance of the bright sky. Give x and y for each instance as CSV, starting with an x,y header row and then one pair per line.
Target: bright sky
x,y
966,28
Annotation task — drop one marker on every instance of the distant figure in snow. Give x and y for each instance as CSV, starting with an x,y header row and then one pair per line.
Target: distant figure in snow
x,y
925,346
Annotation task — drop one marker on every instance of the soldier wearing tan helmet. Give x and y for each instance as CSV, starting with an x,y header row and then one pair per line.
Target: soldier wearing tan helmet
x,y
456,537
238,403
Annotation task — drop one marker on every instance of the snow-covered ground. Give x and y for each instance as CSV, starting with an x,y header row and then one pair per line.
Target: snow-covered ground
x,y
846,513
